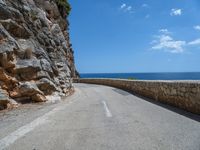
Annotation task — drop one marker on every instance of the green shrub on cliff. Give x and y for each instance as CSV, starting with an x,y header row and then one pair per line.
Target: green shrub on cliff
x,y
131,78
64,4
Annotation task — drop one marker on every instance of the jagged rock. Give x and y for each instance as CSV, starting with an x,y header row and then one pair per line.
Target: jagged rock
x,y
28,90
39,98
36,58
26,48
63,25
5,101
52,9
45,22
7,47
4,11
7,43
8,82
46,66
37,23
15,29
26,69
10,13
57,33
43,39
6,60
2,2
43,74
46,86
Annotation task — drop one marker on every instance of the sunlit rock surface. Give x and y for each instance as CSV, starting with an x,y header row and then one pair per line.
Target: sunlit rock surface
x,y
36,58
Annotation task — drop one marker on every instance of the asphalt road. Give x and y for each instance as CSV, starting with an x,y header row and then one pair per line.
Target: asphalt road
x,y
99,118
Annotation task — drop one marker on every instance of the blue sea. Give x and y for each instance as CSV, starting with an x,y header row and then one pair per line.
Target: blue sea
x,y
146,76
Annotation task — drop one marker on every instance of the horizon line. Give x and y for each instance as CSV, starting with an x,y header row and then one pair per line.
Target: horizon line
x,y
139,72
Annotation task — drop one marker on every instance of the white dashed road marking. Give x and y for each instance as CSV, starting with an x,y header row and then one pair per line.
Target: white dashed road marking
x,y
108,113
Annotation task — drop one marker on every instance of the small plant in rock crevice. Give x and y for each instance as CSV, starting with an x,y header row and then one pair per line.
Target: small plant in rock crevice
x,y
64,7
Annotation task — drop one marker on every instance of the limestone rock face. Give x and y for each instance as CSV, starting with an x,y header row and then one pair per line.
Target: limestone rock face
x,y
5,101
36,58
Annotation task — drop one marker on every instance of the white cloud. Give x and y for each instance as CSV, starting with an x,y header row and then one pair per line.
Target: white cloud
x,y
129,8
164,41
126,8
195,42
197,27
164,31
123,6
167,43
176,12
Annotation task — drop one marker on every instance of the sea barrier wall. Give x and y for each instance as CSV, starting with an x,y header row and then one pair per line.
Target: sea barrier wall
x,y
182,94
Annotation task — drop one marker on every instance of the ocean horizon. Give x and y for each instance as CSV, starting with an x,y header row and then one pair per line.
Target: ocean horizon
x,y
146,76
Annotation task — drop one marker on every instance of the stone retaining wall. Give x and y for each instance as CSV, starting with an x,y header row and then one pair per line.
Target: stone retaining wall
x,y
182,94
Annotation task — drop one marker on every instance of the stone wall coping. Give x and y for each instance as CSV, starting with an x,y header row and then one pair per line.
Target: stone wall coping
x,y
159,81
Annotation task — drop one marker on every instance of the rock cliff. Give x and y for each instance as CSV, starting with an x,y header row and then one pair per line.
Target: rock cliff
x,y
36,58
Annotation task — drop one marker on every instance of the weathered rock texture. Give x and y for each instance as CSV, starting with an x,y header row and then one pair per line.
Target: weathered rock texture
x,y
36,58
182,94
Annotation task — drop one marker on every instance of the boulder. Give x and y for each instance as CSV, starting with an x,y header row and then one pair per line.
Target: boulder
x,y
5,101
46,86
39,98
8,82
27,69
28,90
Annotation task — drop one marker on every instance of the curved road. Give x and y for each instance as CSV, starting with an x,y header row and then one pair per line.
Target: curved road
x,y
99,118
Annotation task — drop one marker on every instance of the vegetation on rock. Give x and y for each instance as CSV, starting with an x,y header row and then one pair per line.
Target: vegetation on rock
x,y
64,4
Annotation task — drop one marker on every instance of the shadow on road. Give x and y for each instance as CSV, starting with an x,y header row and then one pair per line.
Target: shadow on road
x,y
164,105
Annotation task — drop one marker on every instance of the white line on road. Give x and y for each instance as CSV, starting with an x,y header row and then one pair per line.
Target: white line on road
x,y
108,113
12,137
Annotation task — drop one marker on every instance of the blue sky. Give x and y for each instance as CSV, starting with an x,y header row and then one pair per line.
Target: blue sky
x,y
116,36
